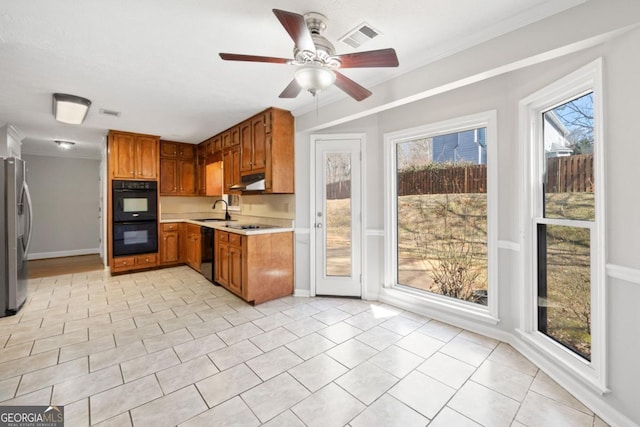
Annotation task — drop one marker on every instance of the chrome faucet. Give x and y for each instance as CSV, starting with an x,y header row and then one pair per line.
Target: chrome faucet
x,y
227,217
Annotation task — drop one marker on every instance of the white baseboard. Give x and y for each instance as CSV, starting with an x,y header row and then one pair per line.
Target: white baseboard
x,y
305,293
61,254
579,390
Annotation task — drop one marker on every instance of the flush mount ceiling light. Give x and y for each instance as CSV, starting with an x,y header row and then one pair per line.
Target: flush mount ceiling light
x,y
314,78
65,145
70,108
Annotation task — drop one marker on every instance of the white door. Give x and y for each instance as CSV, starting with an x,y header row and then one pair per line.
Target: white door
x,y
337,216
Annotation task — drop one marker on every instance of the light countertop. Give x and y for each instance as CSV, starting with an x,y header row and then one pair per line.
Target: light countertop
x,y
228,226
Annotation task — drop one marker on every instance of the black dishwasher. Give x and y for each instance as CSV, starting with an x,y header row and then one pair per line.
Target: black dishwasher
x,y
206,255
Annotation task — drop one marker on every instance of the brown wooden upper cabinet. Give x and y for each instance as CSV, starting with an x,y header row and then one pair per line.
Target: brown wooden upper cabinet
x,y
253,141
231,165
261,144
133,156
178,169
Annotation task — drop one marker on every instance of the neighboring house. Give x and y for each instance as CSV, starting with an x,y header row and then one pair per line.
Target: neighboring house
x,y
469,146
556,143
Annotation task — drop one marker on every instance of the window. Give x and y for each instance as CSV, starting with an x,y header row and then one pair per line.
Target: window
x,y
563,257
441,220
565,224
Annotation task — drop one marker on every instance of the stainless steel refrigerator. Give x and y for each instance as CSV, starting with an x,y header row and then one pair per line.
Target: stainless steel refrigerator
x,y
16,219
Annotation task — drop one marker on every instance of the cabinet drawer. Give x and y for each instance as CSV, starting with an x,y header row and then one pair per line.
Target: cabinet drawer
x,y
235,239
124,262
193,229
146,259
170,227
223,236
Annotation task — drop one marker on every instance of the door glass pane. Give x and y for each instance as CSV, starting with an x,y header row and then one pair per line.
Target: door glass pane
x,y
338,214
564,286
442,214
568,149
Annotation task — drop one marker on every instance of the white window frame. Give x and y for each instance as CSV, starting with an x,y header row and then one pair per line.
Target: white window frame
x,y
584,80
473,311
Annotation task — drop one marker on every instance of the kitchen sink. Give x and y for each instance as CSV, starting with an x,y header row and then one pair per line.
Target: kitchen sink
x,y
209,219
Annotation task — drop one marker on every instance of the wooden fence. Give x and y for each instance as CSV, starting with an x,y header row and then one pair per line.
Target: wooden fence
x,y
569,174
455,179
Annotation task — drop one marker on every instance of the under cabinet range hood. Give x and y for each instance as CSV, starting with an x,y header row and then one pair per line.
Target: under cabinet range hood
x,y
253,182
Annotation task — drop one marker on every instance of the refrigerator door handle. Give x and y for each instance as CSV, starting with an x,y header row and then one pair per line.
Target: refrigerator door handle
x,y
25,193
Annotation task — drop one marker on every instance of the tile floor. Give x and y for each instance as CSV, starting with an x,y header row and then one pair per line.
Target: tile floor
x,y
168,348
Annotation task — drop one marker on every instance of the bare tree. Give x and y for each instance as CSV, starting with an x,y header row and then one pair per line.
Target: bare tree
x,y
414,154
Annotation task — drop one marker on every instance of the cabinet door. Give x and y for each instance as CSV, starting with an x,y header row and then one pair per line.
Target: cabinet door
x,y
187,151
226,140
246,147
259,142
187,178
169,248
217,144
168,177
235,269
222,259
202,175
122,155
235,169
231,161
235,136
197,256
168,149
190,255
146,157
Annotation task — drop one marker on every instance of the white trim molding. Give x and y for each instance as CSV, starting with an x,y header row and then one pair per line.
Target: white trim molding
x,y
374,232
488,120
628,274
582,81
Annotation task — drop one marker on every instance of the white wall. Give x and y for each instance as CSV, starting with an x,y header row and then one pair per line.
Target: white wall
x,y
502,91
10,141
66,201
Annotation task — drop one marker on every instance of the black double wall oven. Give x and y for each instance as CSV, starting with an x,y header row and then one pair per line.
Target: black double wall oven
x,y
135,217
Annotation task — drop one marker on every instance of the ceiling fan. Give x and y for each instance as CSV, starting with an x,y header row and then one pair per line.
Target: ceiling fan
x,y
316,59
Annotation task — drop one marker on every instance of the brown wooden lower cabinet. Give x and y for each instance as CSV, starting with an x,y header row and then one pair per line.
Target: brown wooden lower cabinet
x,y
191,246
170,243
134,262
258,267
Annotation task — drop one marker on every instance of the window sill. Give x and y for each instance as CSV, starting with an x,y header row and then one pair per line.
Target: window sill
x,y
420,303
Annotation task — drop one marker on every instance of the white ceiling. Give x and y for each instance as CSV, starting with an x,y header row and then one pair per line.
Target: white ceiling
x,y
156,61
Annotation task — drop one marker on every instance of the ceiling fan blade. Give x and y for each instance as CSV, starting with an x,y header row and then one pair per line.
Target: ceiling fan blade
x,y
292,90
352,88
297,29
372,58
253,58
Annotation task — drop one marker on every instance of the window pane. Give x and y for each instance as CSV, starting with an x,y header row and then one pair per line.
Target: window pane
x,y
338,212
568,146
564,286
442,215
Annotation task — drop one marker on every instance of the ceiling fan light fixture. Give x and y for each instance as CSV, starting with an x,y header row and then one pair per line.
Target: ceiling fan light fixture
x,y
65,145
70,109
314,78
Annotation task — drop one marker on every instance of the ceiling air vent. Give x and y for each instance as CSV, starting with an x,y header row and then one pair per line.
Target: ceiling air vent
x,y
110,112
360,35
